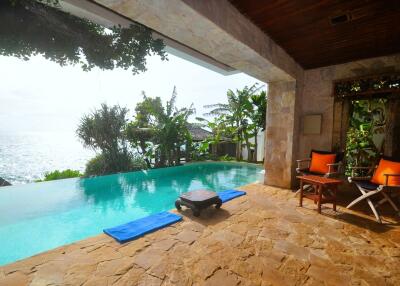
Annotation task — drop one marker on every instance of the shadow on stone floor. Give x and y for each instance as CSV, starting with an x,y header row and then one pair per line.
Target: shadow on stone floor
x,y
356,218
361,215
209,216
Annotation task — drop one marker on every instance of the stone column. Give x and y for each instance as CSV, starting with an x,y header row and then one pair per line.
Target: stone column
x,y
281,134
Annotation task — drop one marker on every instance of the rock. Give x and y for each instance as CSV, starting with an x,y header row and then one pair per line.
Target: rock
x,y
4,183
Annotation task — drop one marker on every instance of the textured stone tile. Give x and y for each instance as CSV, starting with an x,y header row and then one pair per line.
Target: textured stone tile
x,y
187,236
165,244
328,276
114,267
148,258
14,279
222,277
148,280
133,247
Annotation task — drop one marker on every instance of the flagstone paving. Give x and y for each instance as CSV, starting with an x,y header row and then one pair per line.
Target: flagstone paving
x,y
262,238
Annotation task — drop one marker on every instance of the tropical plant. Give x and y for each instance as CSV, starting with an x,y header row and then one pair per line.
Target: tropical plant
x,y
58,175
200,151
367,122
103,130
125,162
221,129
34,27
158,133
258,117
242,116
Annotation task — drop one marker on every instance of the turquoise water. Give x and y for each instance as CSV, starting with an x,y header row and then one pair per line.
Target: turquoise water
x,y
41,216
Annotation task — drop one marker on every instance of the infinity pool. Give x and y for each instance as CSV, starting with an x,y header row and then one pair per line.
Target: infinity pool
x,y
41,216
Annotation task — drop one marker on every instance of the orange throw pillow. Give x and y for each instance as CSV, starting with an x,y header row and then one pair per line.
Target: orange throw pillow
x,y
387,167
319,162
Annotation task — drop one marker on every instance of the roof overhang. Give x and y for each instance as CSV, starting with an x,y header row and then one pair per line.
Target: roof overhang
x,y
108,18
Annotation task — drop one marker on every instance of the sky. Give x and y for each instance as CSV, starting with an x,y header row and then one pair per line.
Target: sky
x,y
41,96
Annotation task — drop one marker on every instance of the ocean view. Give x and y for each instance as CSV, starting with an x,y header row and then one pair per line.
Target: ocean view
x,y
26,156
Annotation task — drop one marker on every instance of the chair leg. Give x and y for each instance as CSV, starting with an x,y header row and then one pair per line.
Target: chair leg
x,y
305,189
371,205
387,198
365,196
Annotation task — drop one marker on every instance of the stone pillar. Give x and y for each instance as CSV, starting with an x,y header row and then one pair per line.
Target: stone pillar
x,y
281,136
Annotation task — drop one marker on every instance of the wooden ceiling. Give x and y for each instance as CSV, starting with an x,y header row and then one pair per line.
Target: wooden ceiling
x,y
304,29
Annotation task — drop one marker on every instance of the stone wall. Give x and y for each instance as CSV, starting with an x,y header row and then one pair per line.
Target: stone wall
x,y
317,96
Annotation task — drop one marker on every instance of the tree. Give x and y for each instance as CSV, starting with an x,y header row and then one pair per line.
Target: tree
x,y
365,137
237,112
103,130
259,115
141,131
158,133
220,128
29,28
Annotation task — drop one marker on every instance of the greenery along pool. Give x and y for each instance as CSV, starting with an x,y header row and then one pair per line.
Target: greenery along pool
x,y
41,216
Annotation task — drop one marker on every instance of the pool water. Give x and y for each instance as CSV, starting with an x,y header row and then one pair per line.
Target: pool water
x,y
41,216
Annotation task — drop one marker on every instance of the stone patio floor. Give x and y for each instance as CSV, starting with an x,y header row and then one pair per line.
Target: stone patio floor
x,y
262,238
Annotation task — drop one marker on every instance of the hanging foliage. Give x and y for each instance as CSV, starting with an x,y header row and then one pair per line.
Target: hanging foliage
x,y
367,85
29,28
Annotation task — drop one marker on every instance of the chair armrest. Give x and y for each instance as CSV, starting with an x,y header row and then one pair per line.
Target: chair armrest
x,y
334,168
299,163
389,175
352,179
361,168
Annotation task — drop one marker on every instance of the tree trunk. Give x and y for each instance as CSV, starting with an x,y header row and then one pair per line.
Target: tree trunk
x,y
238,150
238,143
248,149
214,150
178,156
255,146
143,148
187,154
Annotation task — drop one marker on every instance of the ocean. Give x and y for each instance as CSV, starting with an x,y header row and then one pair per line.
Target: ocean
x,y
26,157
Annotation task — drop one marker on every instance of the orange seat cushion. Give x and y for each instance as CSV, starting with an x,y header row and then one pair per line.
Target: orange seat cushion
x,y
386,167
319,162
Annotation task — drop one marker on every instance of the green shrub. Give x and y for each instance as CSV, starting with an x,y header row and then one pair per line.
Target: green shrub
x,y
226,158
58,175
121,162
